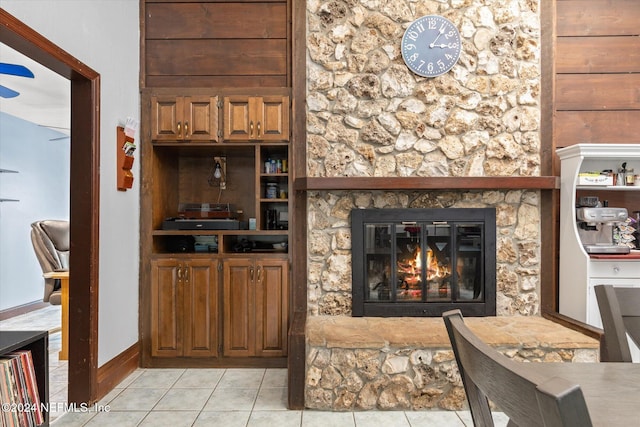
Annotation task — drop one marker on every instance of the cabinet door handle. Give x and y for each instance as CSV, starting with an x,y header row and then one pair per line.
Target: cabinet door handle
x,y
251,273
250,128
260,274
179,273
258,129
186,129
179,128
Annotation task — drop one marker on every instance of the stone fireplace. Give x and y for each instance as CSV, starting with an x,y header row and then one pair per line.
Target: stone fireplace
x,y
423,262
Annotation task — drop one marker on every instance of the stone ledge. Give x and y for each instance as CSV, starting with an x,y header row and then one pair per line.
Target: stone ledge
x,y
379,332
365,363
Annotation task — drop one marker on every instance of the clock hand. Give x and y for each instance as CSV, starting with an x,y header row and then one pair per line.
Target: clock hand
x,y
440,32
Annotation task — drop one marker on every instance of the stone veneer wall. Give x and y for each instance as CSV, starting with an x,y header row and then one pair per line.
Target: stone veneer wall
x,y
368,115
517,254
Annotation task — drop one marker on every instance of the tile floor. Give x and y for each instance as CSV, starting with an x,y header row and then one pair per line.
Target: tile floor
x,y
207,397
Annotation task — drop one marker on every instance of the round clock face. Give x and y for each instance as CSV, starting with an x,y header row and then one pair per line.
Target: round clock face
x,y
431,46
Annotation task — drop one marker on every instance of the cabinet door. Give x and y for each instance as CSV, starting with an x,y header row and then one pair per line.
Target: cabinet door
x,y
272,306
166,308
239,307
200,283
200,121
272,118
166,117
238,124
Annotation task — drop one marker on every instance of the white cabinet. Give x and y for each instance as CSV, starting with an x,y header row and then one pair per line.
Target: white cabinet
x,y
579,271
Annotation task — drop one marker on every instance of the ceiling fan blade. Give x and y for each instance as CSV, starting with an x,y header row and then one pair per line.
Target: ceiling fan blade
x,y
15,70
5,92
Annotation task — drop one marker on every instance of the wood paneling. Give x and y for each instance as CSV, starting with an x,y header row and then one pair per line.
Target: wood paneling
x,y
216,21
616,127
216,57
215,44
597,17
617,54
598,92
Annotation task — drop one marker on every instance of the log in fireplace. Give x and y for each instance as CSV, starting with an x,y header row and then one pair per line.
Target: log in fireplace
x,y
423,262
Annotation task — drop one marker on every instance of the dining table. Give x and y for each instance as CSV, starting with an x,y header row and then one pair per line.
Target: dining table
x,y
611,389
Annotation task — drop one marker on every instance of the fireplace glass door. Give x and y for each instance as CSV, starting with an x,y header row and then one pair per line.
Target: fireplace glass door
x,y
423,267
413,262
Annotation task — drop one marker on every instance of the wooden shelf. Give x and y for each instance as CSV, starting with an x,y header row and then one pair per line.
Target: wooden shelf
x,y
428,183
220,232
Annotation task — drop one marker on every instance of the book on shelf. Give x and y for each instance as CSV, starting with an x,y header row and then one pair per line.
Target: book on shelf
x,y
19,391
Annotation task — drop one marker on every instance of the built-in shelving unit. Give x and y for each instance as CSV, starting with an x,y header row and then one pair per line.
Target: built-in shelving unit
x,y
580,271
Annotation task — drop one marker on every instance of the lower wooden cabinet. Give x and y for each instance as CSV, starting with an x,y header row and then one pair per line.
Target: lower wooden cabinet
x,y
184,308
187,315
255,306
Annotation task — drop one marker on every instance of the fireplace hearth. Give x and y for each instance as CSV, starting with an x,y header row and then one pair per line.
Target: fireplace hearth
x,y
423,262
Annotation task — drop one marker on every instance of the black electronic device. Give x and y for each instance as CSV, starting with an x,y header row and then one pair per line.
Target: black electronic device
x,y
202,224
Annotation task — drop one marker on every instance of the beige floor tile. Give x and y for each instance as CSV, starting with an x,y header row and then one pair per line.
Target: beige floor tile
x,y
116,419
274,398
434,418
275,378
222,418
275,418
132,399
184,399
199,378
378,418
169,419
327,419
232,399
157,378
242,378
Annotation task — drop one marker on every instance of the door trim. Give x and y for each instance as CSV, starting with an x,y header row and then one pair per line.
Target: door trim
x,y
84,200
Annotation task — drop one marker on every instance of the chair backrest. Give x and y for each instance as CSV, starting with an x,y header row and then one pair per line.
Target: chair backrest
x,y
517,389
50,239
620,313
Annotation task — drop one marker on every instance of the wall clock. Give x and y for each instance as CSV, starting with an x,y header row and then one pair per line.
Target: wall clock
x,y
431,46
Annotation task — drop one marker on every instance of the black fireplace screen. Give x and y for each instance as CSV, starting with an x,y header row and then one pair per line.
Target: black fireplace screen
x,y
423,262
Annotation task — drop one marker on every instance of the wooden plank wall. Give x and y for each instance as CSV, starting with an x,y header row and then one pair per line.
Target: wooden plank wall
x,y
215,44
597,72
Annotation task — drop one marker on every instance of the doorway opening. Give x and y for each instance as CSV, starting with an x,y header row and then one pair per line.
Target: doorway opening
x,y
84,200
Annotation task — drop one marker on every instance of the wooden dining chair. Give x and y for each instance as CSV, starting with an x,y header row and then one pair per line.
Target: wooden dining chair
x,y
620,312
527,397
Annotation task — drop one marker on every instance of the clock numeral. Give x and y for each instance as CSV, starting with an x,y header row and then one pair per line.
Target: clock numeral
x,y
430,67
450,34
440,64
414,57
410,46
448,56
420,27
421,64
432,24
413,35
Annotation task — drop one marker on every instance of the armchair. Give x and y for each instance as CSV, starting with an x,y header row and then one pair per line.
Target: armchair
x,y
50,239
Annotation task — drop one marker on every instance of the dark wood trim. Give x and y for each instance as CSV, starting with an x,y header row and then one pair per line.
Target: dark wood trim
x,y
216,362
84,204
117,369
549,219
8,313
428,183
298,241
588,330
296,362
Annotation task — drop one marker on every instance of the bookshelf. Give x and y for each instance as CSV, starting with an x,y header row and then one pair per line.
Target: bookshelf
x,y
38,343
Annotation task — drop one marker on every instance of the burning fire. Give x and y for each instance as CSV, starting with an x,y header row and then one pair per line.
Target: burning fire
x,y
412,269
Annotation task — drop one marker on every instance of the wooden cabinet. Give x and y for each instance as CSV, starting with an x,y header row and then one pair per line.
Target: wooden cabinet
x,y
184,118
190,222
184,301
255,308
256,118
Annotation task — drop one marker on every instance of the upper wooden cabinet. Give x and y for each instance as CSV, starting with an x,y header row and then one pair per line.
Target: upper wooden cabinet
x,y
256,118
184,118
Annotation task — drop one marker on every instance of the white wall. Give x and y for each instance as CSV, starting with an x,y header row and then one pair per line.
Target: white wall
x,y
104,35
42,188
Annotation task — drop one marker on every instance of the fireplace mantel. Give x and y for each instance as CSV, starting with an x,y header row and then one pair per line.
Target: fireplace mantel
x,y
428,183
